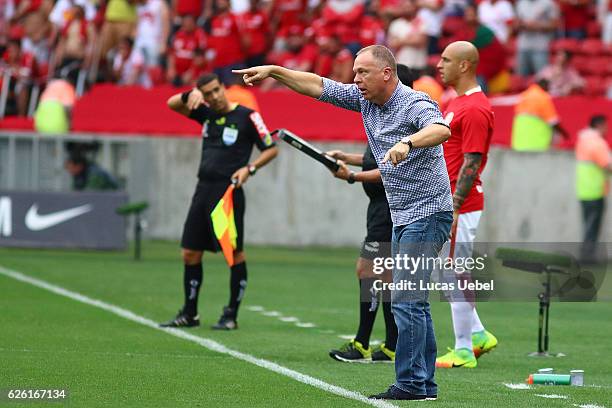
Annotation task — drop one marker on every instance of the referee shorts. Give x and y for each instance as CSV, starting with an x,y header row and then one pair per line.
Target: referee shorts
x,y
198,233
377,243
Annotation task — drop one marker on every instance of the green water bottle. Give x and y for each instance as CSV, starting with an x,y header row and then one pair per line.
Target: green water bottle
x,y
549,379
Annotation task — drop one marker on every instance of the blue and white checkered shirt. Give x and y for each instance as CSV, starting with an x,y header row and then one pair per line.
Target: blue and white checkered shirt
x,y
418,186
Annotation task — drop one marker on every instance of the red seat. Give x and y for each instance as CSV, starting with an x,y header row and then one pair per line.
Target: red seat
x,y
511,46
452,25
511,63
581,63
433,60
519,83
157,75
569,44
594,29
597,66
595,86
591,47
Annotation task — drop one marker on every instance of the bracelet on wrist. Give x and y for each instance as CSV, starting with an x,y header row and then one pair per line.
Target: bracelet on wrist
x,y
185,96
351,178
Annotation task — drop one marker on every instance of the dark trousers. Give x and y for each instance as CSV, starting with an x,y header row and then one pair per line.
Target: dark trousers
x,y
592,216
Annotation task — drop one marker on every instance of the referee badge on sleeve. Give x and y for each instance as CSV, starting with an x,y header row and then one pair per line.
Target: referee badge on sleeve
x,y
230,136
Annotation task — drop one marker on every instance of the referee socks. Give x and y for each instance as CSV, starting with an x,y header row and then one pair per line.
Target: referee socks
x,y
238,283
192,280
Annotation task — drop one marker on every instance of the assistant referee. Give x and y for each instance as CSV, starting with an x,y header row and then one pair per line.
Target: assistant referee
x,y
229,131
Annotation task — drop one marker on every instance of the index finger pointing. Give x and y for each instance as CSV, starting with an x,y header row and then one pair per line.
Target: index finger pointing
x,y
240,71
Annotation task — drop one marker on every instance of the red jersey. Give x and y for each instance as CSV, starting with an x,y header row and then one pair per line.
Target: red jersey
x,y
371,32
189,7
471,122
304,59
225,40
183,46
255,26
289,12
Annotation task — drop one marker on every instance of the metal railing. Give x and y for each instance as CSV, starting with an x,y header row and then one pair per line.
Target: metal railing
x,y
31,161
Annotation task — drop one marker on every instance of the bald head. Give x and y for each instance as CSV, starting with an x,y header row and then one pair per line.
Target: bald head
x,y
458,63
463,51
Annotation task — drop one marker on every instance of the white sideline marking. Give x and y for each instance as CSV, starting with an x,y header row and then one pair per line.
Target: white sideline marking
x,y
517,386
588,406
289,319
204,342
255,308
272,313
551,396
306,325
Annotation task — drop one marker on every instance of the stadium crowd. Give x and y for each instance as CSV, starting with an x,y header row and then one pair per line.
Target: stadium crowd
x,y
148,42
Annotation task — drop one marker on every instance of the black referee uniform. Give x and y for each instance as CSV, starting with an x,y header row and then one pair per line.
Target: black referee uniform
x,y
228,136
227,143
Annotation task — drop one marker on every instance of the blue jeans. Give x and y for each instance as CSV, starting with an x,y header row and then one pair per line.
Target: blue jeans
x,y
415,353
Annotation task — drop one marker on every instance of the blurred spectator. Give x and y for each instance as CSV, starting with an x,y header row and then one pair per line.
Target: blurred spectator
x,y
298,54
286,13
152,31
372,30
428,84
335,61
344,17
54,112
26,8
184,43
74,47
256,28
563,79
88,175
193,8
407,36
226,41
129,65
119,22
593,167
498,15
431,12
199,66
535,119
604,14
6,12
537,21
37,40
575,14
64,10
19,67
491,52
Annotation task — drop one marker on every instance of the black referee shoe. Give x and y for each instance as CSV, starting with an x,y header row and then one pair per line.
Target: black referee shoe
x,y
182,319
227,321
394,393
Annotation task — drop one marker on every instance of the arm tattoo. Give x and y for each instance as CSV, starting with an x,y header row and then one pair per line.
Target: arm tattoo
x,y
467,175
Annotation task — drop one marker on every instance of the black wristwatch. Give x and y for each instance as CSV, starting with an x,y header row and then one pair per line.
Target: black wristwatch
x,y
252,169
351,178
406,140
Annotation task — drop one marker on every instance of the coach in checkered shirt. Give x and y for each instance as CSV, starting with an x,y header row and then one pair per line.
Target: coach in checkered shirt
x,y
405,130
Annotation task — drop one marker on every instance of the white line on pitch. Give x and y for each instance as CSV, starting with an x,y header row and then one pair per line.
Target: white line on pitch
x,y
204,342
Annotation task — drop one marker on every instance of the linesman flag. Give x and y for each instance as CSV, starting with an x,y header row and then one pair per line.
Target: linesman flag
x,y
224,225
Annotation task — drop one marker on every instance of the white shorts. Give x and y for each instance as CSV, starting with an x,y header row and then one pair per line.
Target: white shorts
x,y
467,225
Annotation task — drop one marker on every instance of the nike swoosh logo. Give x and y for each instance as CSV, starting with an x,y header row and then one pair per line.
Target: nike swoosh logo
x,y
37,222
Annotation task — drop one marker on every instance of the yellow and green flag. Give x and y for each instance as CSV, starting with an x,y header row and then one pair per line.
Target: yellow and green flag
x,y
224,225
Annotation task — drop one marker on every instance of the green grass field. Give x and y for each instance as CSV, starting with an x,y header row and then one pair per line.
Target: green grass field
x,y
51,341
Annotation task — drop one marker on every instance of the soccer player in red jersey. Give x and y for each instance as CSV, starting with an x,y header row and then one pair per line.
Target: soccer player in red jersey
x,y
471,121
